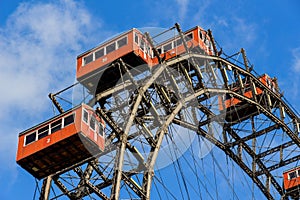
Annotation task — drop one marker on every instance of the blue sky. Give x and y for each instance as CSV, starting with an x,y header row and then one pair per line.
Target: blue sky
x,y
39,42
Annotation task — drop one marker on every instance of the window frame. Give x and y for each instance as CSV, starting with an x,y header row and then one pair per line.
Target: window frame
x,y
83,111
170,46
101,127
117,42
178,42
159,50
136,36
289,175
186,38
142,45
98,50
200,35
31,133
48,131
94,122
84,61
74,115
108,46
55,127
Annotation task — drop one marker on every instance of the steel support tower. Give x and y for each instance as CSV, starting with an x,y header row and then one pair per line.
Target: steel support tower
x,y
146,107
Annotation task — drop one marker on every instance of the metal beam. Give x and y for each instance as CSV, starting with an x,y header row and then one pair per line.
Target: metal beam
x,y
257,158
133,185
243,166
56,103
275,149
83,176
232,155
149,173
123,140
46,188
96,190
63,188
244,145
280,164
255,134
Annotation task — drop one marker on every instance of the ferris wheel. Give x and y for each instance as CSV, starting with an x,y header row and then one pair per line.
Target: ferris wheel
x,y
165,114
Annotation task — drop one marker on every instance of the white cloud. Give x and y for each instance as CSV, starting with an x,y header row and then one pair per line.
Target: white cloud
x,y
296,59
40,41
292,87
202,16
39,45
234,32
183,6
220,21
231,29
245,30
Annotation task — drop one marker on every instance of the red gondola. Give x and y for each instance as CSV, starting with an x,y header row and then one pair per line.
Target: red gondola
x,y
232,101
197,40
61,142
291,182
237,109
131,46
94,69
